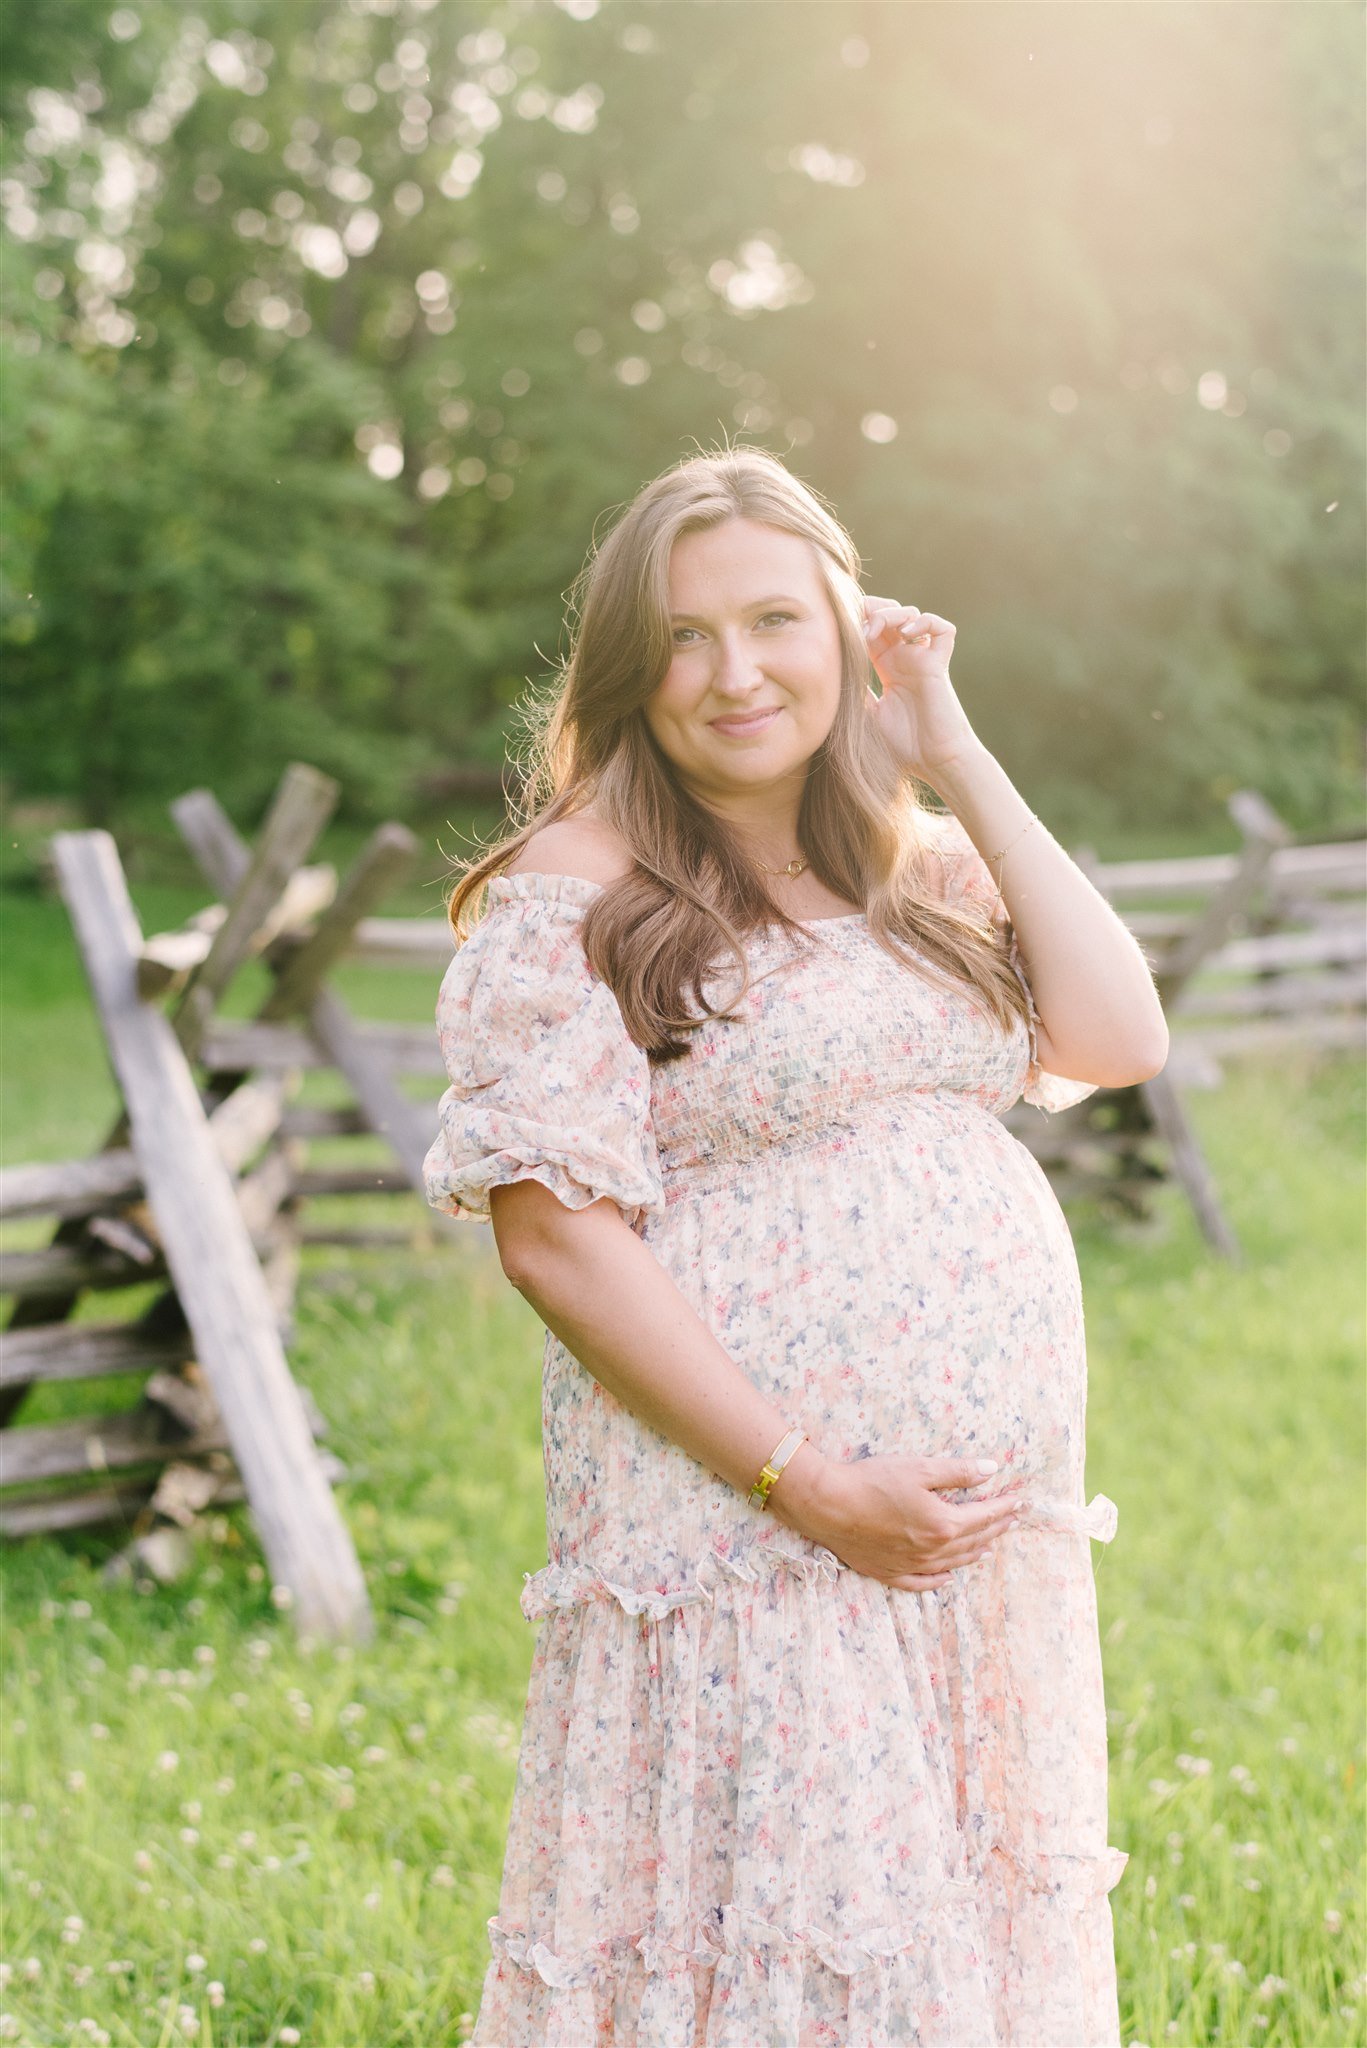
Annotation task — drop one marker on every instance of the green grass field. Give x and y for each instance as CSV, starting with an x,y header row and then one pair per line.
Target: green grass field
x,y
211,1835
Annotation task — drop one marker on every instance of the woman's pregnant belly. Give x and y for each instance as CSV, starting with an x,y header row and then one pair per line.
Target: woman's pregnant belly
x,y
912,1289
919,1295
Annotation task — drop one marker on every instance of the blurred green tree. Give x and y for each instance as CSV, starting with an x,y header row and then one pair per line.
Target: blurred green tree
x,y
335,325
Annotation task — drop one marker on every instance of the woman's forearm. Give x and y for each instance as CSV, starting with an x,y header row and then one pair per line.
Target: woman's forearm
x,y
605,1295
1100,1016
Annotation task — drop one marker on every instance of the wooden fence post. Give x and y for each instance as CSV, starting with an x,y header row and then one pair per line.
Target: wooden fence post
x,y
218,1279
222,856
302,806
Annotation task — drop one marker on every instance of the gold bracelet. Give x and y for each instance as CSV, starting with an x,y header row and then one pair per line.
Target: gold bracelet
x,y
1033,820
769,1471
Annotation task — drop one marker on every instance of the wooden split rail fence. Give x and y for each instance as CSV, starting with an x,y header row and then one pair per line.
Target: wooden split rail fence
x,y
205,1183
195,1193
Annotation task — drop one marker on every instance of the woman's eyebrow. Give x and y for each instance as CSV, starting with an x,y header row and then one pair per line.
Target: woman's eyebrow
x,y
759,605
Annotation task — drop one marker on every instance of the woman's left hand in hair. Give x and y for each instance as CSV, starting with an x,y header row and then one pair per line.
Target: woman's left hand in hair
x,y
919,715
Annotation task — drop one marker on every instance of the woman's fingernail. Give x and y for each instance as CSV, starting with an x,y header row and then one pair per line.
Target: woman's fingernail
x,y
986,1465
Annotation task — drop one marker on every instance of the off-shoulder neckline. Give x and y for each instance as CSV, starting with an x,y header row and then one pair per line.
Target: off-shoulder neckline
x,y
534,883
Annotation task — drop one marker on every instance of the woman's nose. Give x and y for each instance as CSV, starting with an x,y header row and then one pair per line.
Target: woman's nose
x,y
737,671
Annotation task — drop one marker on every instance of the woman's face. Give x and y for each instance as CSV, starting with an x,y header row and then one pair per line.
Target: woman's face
x,y
754,683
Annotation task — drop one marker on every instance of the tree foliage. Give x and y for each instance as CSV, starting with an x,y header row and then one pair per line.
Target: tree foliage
x,y
334,325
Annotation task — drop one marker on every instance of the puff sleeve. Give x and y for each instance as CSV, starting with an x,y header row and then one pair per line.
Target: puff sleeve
x,y
545,1082
968,881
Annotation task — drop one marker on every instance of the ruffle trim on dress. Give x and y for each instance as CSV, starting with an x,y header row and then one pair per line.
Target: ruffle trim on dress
x,y
922,1979
561,1586
576,1172
1099,1519
760,1987
556,1587
1075,1881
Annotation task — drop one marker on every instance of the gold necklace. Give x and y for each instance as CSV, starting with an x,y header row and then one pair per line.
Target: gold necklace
x,y
793,869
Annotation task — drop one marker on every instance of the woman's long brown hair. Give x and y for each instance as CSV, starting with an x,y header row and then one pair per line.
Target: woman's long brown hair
x,y
656,932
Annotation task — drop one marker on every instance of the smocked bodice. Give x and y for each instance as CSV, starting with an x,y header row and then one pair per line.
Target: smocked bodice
x,y
833,1033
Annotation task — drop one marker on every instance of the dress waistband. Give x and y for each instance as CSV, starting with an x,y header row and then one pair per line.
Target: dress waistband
x,y
859,1131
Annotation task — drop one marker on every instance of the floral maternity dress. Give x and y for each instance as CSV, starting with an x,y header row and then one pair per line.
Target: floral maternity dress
x,y
762,1800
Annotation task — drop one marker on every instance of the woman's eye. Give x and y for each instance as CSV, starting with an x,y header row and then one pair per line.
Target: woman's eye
x,y
768,617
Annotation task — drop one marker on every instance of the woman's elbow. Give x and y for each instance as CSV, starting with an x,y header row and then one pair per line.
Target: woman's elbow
x,y
1114,1054
1148,1068
1142,1055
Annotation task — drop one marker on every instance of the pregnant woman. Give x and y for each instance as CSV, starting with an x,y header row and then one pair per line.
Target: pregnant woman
x,y
815,1742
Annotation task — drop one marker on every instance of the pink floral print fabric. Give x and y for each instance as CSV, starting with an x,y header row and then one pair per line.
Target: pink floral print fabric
x,y
763,1801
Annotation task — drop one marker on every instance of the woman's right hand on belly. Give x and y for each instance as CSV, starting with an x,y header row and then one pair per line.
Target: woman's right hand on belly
x,y
886,1516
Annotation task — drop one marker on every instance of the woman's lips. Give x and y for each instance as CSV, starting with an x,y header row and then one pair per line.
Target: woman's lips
x,y
739,728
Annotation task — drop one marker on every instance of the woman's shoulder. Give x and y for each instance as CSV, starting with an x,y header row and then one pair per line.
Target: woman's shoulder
x,y
583,848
